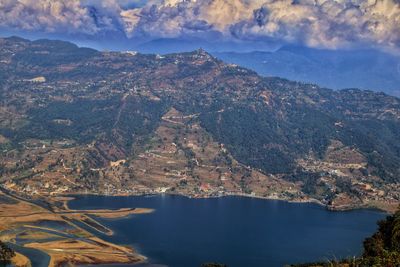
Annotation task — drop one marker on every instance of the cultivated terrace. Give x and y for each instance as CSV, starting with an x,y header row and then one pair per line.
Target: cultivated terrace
x,y
75,120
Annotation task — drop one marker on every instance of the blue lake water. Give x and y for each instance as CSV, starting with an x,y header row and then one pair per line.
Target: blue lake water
x,y
37,257
237,231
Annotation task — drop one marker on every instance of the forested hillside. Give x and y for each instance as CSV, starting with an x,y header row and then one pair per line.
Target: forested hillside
x,y
78,120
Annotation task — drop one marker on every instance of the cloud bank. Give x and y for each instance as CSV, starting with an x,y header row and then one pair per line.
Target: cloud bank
x,y
315,23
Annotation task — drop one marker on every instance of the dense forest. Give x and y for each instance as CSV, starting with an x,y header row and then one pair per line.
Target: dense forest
x,y
6,254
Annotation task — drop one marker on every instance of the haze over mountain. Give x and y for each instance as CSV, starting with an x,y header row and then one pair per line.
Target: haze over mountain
x,y
337,69
335,44
369,69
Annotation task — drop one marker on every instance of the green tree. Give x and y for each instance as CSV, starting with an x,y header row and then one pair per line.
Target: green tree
x,y
396,231
6,253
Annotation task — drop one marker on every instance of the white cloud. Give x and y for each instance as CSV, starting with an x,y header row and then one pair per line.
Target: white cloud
x,y
46,15
317,23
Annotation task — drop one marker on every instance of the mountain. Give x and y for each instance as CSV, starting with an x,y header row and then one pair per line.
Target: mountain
x,y
213,43
75,120
171,45
337,69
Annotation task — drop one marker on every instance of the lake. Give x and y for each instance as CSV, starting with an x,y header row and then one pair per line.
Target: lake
x,y
237,231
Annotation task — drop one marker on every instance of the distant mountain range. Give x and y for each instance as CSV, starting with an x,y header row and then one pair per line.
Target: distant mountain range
x,y
337,69
76,120
179,45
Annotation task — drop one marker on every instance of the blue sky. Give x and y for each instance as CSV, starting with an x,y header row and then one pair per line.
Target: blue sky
x,y
229,24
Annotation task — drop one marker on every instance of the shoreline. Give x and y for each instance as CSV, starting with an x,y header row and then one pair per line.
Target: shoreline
x,y
133,257
59,235
338,208
93,201
386,206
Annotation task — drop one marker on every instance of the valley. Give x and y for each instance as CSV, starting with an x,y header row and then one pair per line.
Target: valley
x,y
76,121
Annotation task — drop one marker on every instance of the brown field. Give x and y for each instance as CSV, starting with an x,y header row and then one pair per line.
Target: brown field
x,y
77,251
20,261
83,247
3,140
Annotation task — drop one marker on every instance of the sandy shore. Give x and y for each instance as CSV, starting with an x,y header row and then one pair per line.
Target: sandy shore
x,y
20,260
388,207
57,233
